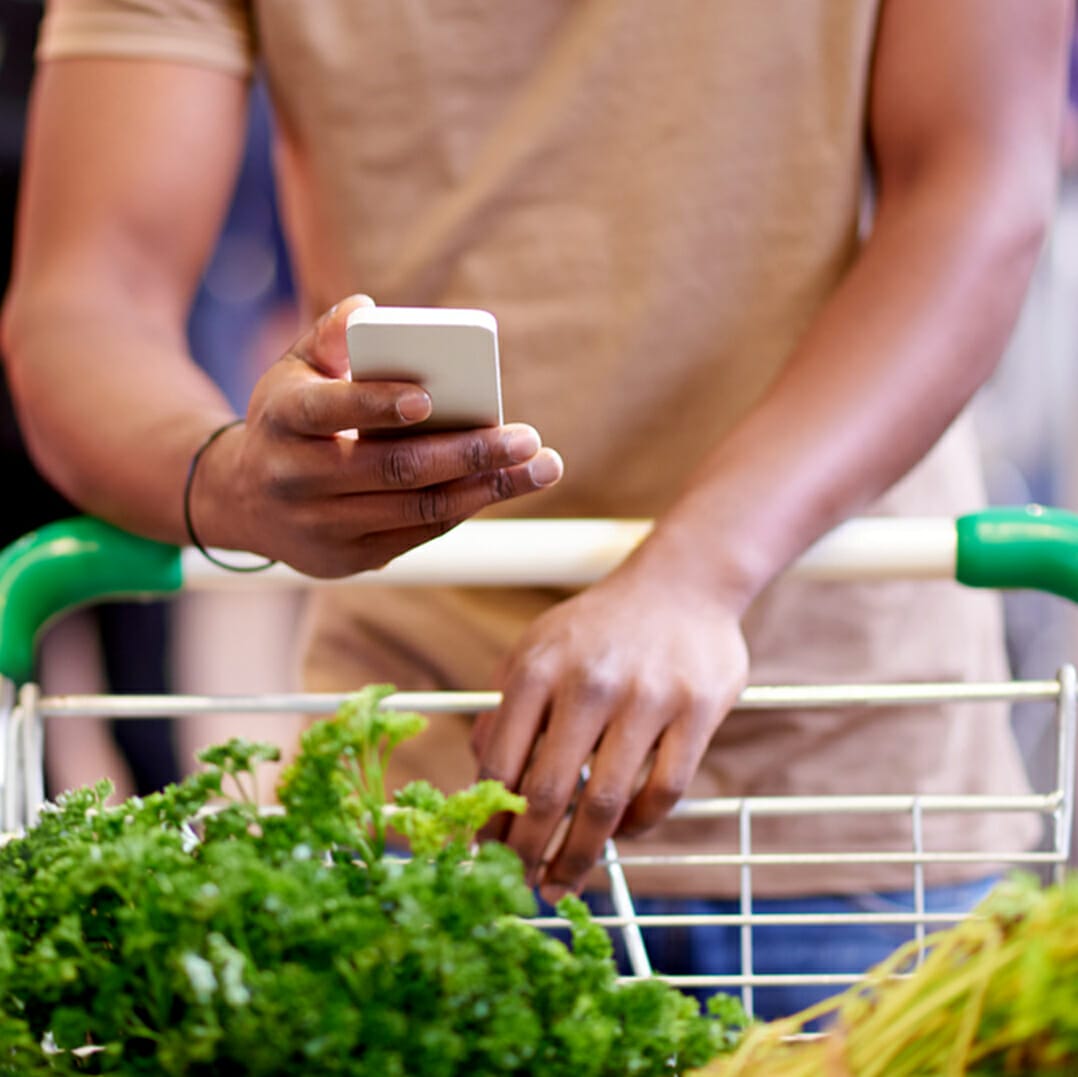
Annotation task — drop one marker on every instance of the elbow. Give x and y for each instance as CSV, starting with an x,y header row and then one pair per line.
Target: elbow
x,y
1015,230
8,334
14,334
1002,213
994,207
978,224
1020,224
18,332
1005,240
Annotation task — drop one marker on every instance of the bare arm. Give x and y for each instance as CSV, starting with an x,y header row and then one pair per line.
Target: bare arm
x,y
964,119
128,170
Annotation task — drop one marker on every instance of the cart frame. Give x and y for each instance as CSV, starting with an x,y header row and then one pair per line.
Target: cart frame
x,y
1032,547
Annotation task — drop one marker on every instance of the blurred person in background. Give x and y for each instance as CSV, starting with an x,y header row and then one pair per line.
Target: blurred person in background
x,y
662,209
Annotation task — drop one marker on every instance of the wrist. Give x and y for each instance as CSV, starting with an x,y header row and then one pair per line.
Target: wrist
x,y
701,567
210,484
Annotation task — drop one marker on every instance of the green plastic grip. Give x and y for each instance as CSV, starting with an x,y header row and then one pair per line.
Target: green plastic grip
x,y
67,564
1033,547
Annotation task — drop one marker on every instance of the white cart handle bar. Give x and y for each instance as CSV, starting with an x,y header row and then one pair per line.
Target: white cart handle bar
x,y
81,561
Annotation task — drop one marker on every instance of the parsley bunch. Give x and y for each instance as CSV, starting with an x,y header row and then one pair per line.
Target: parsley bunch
x,y
169,937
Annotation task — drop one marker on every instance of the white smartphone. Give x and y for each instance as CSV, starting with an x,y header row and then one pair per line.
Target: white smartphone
x,y
452,353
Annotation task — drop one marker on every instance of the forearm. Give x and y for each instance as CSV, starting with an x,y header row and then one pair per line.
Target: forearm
x,y
912,332
126,175
114,434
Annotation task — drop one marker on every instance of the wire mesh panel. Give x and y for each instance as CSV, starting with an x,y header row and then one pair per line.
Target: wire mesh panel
x,y
627,919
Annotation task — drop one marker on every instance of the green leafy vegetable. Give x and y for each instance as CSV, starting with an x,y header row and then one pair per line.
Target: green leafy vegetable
x,y
166,937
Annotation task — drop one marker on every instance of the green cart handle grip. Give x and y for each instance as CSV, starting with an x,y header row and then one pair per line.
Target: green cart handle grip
x,y
1035,548
68,564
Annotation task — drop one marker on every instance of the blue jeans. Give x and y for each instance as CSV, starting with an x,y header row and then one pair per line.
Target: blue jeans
x,y
785,949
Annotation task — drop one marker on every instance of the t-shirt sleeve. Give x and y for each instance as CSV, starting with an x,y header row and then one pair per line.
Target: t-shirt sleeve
x,y
213,33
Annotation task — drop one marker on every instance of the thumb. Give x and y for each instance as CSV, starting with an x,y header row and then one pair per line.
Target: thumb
x,y
324,345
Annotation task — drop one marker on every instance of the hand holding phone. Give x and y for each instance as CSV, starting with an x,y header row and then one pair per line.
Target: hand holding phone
x,y
451,353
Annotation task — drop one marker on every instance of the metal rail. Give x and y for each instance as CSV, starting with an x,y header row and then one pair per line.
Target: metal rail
x,y
21,744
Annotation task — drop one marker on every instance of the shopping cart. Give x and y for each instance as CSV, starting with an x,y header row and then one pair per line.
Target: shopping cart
x,y
84,561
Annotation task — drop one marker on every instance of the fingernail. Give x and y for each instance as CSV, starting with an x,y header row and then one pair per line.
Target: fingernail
x,y
522,445
545,469
412,407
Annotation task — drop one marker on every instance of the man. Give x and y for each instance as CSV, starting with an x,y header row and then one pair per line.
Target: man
x,y
662,209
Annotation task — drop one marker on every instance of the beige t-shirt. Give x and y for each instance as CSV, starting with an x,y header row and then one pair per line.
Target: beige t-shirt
x,y
654,200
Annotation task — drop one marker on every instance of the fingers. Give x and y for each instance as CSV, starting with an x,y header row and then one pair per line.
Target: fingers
x,y
324,345
509,736
322,407
561,836
449,501
313,412
579,705
608,803
602,803
415,463
345,535
553,780
330,493
342,466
